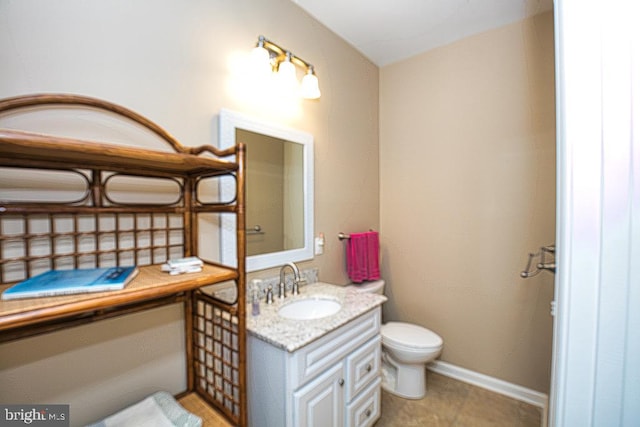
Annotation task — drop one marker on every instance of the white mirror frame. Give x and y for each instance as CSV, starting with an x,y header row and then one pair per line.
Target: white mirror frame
x,y
229,122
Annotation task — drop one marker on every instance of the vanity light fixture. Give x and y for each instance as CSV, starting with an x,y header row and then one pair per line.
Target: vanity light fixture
x,y
268,55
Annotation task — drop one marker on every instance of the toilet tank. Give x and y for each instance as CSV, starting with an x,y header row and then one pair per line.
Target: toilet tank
x,y
372,287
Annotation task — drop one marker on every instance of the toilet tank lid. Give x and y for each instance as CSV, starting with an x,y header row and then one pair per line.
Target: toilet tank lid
x,y
409,335
374,286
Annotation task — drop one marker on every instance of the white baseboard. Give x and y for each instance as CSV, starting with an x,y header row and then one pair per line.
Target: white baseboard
x,y
514,391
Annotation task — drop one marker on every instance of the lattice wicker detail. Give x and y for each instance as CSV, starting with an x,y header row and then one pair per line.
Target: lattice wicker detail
x,y
216,355
32,243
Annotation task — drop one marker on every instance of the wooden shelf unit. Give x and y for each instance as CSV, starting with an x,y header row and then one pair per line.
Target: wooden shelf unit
x,y
215,329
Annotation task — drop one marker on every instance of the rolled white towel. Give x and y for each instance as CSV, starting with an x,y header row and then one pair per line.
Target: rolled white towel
x,y
158,410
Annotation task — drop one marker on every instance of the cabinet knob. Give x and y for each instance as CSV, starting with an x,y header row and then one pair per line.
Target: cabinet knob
x,y
367,413
341,382
369,367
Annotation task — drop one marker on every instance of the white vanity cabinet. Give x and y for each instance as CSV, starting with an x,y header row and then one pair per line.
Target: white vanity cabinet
x,y
333,381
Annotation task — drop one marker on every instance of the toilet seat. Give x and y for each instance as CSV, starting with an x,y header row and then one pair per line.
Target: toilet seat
x,y
409,336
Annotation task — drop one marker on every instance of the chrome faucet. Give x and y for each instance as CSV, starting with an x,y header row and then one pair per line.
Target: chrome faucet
x,y
296,279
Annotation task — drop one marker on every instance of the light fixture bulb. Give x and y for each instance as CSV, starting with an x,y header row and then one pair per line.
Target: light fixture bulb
x,y
310,88
260,55
287,80
260,59
286,69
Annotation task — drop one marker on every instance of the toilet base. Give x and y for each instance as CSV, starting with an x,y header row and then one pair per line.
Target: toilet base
x,y
407,381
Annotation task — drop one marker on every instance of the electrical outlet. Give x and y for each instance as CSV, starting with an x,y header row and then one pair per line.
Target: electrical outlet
x,y
319,244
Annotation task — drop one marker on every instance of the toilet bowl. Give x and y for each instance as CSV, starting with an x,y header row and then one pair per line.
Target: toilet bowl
x,y
406,349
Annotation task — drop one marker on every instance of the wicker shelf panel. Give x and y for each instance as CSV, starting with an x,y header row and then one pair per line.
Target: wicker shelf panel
x,y
216,355
150,283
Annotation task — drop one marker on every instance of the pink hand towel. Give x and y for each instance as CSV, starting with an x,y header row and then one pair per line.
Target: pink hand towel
x,y
373,256
363,256
357,257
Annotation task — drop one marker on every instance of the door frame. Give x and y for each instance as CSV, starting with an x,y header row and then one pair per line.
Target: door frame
x,y
595,374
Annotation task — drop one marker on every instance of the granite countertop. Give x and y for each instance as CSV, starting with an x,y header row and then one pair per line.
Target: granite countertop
x,y
290,334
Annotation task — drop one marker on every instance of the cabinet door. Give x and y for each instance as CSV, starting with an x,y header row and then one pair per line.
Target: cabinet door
x,y
320,403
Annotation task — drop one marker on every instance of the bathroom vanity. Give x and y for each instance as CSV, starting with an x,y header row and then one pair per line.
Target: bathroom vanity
x,y
316,372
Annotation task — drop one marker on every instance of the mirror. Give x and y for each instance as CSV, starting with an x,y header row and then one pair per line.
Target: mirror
x,y
279,182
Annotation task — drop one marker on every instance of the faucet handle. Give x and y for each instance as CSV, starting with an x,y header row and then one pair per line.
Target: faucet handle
x,y
269,299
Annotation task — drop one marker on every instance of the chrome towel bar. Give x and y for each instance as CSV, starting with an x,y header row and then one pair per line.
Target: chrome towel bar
x,y
256,229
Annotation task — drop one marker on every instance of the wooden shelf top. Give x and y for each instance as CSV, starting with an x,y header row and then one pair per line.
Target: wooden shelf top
x,y
20,148
195,404
150,283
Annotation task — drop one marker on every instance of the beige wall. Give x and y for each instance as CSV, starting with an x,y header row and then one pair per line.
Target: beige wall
x,y
467,171
175,62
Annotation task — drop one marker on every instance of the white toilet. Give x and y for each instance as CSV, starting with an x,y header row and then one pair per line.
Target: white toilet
x,y
406,349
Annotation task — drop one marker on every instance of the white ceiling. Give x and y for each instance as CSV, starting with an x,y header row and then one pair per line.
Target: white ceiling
x,y
387,31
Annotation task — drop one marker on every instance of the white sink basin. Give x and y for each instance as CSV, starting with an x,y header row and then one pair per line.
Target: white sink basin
x,y
309,308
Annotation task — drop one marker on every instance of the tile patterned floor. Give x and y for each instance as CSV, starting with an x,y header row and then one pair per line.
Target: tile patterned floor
x,y
452,403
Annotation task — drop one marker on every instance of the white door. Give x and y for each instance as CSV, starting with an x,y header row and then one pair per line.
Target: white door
x,y
596,366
